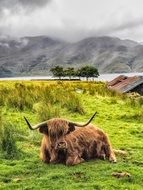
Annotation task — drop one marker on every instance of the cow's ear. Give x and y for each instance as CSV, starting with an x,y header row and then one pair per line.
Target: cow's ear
x,y
43,129
71,127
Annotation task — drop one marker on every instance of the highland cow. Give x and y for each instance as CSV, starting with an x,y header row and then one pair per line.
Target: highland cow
x,y
83,141
52,130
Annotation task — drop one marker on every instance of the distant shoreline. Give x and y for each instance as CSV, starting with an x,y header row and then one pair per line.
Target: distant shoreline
x,y
102,77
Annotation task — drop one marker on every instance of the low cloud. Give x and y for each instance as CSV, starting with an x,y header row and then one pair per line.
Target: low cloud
x,y
15,6
72,20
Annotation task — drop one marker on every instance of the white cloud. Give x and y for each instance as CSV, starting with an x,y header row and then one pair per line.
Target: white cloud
x,y
74,19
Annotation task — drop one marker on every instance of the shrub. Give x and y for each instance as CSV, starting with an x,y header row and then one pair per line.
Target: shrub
x,y
73,104
7,141
45,111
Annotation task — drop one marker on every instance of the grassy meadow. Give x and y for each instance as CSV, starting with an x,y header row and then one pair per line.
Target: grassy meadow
x,y
119,115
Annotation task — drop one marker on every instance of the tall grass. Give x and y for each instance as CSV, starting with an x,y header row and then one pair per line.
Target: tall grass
x,y
8,146
134,100
45,111
48,99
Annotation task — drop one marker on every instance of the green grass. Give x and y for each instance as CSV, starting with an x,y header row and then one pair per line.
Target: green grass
x,y
121,116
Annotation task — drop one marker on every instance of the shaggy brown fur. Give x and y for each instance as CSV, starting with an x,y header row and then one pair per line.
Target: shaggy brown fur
x,y
57,127
83,144
53,130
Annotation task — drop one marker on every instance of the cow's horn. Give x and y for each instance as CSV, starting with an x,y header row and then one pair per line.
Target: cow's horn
x,y
36,126
83,125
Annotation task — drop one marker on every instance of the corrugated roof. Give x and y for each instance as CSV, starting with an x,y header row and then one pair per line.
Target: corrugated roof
x,y
116,80
124,84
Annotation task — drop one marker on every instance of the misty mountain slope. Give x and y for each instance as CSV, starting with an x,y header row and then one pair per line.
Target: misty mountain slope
x,y
36,55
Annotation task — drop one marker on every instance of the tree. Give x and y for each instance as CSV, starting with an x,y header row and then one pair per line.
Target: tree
x,y
69,72
88,71
57,71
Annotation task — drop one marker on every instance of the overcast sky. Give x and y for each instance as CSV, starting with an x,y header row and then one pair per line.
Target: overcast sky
x,y
72,19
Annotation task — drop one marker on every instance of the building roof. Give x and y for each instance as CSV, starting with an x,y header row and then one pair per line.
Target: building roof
x,y
123,83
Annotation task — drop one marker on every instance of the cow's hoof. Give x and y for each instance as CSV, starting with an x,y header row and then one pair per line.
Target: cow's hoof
x,y
82,160
103,157
113,161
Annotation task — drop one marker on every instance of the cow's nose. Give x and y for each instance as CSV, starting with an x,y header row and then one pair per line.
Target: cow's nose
x,y
62,145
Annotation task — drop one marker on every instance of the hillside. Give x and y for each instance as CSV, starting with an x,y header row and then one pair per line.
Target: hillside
x,y
119,115
36,55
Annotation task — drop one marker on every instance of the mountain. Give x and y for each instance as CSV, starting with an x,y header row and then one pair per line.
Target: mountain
x,y
36,55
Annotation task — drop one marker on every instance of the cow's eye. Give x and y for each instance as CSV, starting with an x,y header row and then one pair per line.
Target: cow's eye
x,y
52,146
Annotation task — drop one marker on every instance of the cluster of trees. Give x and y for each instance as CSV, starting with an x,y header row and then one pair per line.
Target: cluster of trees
x,y
86,71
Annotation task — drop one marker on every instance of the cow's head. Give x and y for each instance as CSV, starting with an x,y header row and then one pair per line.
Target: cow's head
x,y
57,127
